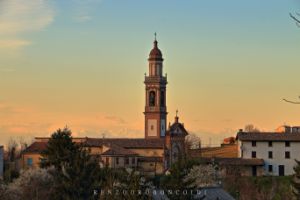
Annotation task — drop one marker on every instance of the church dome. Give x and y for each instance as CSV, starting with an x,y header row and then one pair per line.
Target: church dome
x,y
155,53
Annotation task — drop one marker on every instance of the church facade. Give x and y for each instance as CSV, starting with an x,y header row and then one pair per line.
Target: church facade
x,y
155,153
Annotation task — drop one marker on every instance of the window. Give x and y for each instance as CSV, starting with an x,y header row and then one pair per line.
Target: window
x,y
254,171
287,154
253,154
162,99
152,98
133,161
127,161
254,143
287,144
107,160
270,154
281,170
117,160
270,168
29,162
270,143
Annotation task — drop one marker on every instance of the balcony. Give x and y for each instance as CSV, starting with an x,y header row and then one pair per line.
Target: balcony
x,y
156,79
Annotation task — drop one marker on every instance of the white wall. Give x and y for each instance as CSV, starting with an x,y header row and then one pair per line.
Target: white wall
x,y
278,148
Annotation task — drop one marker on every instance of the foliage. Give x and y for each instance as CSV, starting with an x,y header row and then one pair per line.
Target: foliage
x,y
10,173
296,180
61,150
201,176
174,178
265,188
77,172
125,184
32,184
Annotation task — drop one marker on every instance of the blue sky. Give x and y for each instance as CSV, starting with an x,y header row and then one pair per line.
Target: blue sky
x,y
81,63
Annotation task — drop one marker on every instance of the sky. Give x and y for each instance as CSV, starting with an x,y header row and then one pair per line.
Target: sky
x,y
81,64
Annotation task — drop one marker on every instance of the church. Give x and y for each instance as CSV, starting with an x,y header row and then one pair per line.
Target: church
x,y
161,146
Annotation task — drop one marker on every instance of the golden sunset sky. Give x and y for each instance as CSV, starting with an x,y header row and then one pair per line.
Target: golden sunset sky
x,y
82,64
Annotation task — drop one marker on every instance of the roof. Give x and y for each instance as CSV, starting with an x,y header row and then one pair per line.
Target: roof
x,y
155,53
267,136
241,161
36,147
177,129
118,145
236,161
150,159
127,142
115,150
226,151
213,193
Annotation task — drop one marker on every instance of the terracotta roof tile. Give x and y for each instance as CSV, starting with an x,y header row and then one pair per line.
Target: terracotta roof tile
x,y
117,150
36,147
235,161
127,142
226,151
268,136
124,143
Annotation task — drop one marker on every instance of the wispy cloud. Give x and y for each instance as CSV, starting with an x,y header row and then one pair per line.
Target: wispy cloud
x,y
84,9
18,17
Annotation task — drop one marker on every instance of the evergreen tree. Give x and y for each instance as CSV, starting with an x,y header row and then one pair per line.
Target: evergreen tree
x,y
60,150
77,172
174,180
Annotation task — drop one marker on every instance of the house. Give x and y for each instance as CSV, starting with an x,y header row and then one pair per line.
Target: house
x,y
153,154
228,161
1,161
279,150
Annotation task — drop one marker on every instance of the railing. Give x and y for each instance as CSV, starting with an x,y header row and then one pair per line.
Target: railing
x,y
161,79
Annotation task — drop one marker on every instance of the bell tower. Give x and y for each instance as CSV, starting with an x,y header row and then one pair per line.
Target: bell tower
x,y
155,104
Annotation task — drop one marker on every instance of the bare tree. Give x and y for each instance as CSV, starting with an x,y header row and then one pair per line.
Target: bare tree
x,y
12,147
293,102
251,128
296,19
192,141
32,184
201,176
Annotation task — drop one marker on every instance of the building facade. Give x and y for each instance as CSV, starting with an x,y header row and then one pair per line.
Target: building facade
x,y
153,154
278,150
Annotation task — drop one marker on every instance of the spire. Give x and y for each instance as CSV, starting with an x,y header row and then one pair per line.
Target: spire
x,y
176,117
155,41
155,53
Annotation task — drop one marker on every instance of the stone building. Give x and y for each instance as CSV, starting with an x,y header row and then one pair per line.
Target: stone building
x,y
153,154
279,150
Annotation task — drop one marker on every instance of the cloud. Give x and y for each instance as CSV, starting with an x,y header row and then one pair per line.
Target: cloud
x,y
116,119
18,17
83,10
28,121
13,43
83,18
